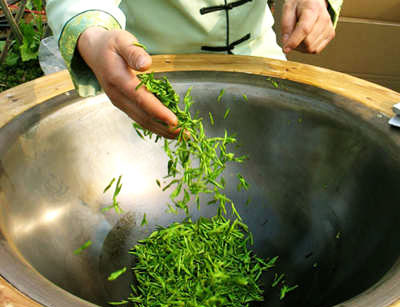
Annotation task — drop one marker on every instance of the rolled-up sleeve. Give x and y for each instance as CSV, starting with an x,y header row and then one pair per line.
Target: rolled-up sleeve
x,y
68,19
60,12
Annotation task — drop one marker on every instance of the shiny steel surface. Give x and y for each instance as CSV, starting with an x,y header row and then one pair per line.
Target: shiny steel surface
x,y
323,176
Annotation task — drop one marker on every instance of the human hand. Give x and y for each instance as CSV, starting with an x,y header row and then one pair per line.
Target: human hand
x,y
306,26
114,58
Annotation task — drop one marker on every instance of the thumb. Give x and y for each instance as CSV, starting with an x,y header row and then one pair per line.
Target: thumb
x,y
288,21
134,55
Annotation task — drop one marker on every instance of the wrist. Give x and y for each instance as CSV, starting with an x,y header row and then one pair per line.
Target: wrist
x,y
88,40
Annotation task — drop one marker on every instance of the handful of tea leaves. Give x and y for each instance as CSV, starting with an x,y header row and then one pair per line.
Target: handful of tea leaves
x,y
206,263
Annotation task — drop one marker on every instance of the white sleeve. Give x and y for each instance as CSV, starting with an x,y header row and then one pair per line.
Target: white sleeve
x,y
59,12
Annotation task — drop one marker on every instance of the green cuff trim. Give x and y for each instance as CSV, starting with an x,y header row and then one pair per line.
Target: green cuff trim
x,y
84,80
334,7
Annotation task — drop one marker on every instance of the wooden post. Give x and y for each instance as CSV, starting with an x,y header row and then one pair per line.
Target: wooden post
x,y
11,20
20,13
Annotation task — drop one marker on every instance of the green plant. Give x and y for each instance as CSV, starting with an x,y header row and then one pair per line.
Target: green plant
x,y
21,72
21,64
32,32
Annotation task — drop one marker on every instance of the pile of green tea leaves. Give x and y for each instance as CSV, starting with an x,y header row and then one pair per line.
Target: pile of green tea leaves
x,y
206,263
202,263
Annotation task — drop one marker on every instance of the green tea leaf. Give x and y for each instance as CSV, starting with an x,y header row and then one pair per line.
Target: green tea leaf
x,y
221,93
116,274
227,113
109,185
277,279
117,190
211,118
140,45
137,129
285,289
83,247
242,183
144,220
123,302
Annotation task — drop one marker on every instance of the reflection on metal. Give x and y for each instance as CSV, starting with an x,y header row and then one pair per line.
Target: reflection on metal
x,y
396,108
323,189
51,215
395,120
48,216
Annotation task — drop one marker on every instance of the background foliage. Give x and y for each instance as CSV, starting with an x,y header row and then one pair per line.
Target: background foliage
x,y
21,64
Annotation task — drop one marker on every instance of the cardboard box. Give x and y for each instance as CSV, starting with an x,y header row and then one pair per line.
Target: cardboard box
x,y
363,48
384,10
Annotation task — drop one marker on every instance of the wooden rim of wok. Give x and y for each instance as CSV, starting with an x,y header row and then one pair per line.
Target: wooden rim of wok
x,y
17,100
23,97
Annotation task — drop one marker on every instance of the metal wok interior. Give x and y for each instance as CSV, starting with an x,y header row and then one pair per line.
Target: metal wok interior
x,y
323,188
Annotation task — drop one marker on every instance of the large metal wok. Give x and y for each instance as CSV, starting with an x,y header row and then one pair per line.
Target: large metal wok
x,y
324,172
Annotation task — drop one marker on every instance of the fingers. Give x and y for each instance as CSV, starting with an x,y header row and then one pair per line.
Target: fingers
x,y
313,28
114,58
124,80
302,29
141,105
142,118
151,105
321,35
136,57
288,21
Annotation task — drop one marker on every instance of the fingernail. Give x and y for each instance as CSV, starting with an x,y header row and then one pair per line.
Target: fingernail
x,y
141,62
285,38
286,50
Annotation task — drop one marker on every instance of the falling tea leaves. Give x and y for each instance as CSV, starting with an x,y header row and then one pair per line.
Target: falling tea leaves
x,y
117,190
83,247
